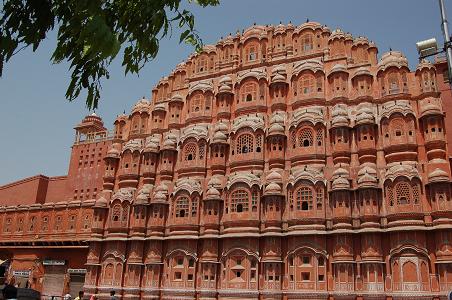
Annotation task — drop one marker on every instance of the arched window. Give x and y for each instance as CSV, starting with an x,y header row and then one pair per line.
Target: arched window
x,y
403,193
319,136
305,137
304,198
393,83
249,92
306,85
190,152
196,103
181,207
202,65
306,43
251,53
397,126
116,214
245,143
194,207
319,197
239,201
125,213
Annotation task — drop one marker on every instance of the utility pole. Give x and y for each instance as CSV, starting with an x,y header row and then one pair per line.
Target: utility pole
x,y
447,45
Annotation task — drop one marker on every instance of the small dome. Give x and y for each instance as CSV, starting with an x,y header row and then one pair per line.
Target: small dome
x,y
162,188
141,105
101,202
160,107
225,80
159,198
367,180
215,181
222,126
273,189
364,115
360,40
336,34
170,142
151,147
141,199
273,177
213,194
278,78
340,172
438,175
339,116
280,28
220,133
219,137
177,98
225,89
362,71
340,183
276,124
392,59
276,129
337,69
431,108
113,152
367,177
152,144
424,64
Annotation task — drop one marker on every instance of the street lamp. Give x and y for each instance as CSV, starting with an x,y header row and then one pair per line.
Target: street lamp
x,y
430,47
427,48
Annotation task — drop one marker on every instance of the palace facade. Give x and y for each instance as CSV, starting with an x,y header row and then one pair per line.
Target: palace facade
x,y
284,162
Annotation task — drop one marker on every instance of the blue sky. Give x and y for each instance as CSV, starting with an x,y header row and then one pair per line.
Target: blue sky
x,y
37,122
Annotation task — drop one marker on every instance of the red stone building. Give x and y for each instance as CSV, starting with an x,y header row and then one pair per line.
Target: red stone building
x,y
281,163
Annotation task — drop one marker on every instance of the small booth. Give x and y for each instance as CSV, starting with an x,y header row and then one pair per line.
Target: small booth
x,y
53,280
76,281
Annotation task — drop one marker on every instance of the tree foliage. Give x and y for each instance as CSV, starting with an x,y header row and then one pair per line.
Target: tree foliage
x,y
91,33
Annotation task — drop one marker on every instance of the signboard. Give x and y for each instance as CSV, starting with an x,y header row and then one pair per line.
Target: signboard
x,y
21,273
53,262
76,271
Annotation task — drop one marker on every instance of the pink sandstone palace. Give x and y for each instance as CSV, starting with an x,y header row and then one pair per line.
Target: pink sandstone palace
x,y
283,162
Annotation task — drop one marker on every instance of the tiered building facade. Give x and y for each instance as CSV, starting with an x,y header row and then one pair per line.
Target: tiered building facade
x,y
282,163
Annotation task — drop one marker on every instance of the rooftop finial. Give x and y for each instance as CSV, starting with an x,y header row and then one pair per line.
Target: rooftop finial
x,y
307,20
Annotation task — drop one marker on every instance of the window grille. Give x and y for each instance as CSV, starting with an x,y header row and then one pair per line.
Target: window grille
x,y
190,152
304,198
305,137
182,206
239,201
245,143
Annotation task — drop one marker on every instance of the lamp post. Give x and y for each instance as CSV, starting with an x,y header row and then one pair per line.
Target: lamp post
x,y
445,27
429,47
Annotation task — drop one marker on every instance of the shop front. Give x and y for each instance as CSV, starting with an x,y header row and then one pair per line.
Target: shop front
x,y
76,281
54,278
21,278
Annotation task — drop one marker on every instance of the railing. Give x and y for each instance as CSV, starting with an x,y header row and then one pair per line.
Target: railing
x,y
208,284
343,286
272,285
445,286
95,137
410,286
237,285
305,285
373,287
